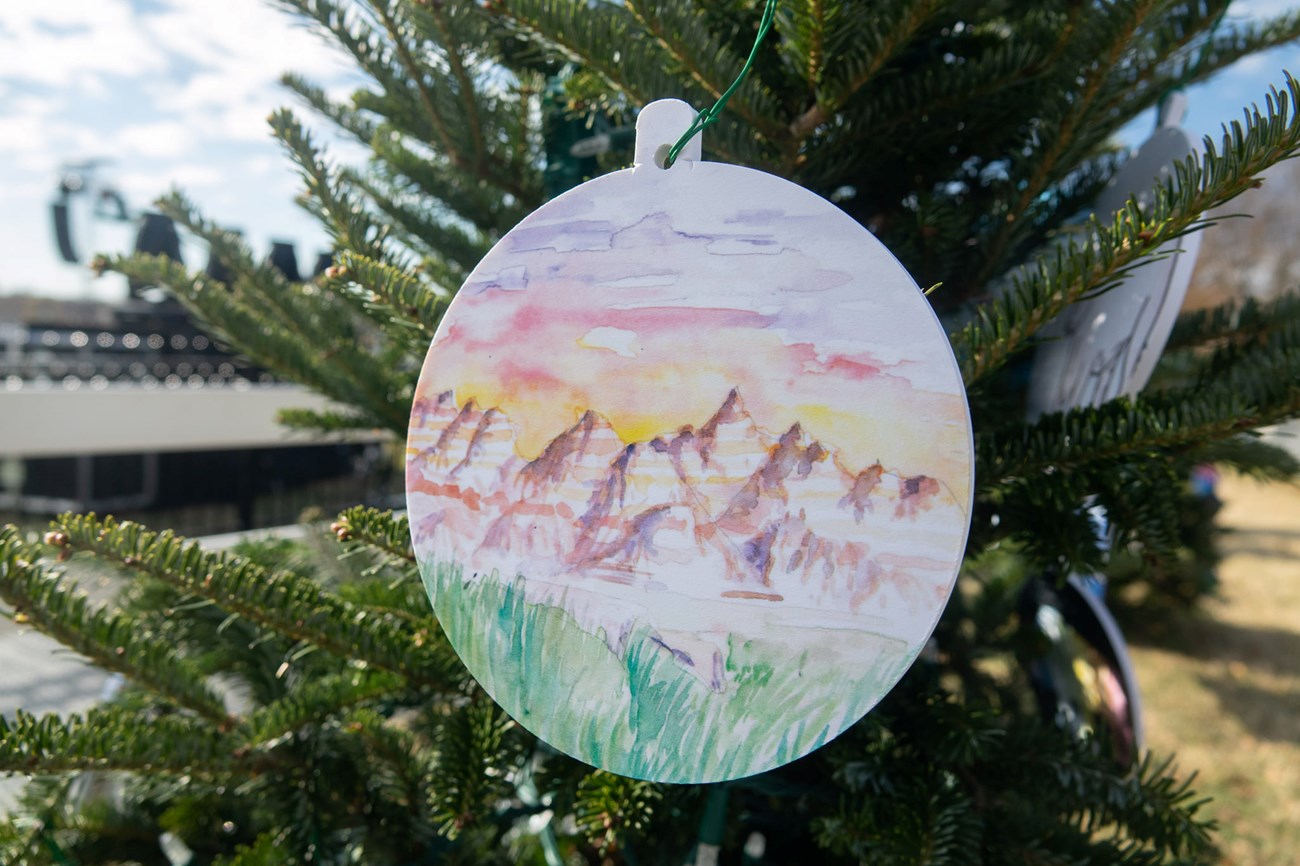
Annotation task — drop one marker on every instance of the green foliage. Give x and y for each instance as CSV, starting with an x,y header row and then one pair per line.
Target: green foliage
x,y
277,714
940,784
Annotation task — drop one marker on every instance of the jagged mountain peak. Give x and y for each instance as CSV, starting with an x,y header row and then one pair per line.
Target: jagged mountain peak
x,y
591,440
754,515
731,411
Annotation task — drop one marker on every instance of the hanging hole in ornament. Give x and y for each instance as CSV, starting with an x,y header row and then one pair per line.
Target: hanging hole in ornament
x,y
661,155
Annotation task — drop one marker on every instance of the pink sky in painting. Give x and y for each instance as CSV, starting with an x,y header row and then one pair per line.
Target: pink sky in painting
x,y
651,320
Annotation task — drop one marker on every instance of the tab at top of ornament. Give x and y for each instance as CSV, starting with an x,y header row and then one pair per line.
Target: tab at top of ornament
x,y
658,127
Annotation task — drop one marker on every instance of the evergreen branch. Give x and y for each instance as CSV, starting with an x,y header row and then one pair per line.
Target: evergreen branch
x,y
458,248
429,173
1262,389
341,25
401,295
472,741
417,74
293,307
113,738
351,225
282,601
708,62
324,344
601,38
108,638
466,89
379,530
324,422
892,115
1226,48
1252,456
803,29
266,850
1080,269
1130,15
863,69
344,117
1234,322
314,702
408,758
614,811
293,354
469,157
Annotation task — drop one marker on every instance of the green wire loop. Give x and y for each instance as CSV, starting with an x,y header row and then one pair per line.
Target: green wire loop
x,y
709,115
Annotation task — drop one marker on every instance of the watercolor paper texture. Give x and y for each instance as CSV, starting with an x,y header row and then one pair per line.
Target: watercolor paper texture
x,y
689,472
1108,346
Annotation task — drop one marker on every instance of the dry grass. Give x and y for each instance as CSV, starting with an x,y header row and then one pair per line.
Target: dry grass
x,y
1222,690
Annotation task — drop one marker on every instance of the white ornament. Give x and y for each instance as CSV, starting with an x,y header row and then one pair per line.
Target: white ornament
x,y
689,468
1108,346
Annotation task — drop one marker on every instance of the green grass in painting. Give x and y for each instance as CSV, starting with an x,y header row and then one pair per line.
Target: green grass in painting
x,y
643,714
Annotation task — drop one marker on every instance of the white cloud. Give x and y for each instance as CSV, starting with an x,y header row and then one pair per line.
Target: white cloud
x,y
159,138
617,340
173,94
60,43
145,185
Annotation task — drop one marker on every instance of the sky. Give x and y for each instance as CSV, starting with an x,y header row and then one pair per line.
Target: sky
x,y
600,299
176,93
170,93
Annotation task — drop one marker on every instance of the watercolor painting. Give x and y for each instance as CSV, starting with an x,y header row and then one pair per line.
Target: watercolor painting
x,y
689,472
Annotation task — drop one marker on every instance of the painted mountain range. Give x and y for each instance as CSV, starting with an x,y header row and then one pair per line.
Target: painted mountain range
x,y
726,510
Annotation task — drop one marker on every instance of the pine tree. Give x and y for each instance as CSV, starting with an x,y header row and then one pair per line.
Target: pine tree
x,y
275,717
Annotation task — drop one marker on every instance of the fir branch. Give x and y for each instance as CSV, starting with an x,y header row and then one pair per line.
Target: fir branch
x,y
603,40
266,850
1251,456
382,531
341,24
1242,39
281,601
294,354
315,702
344,117
614,812
1128,18
350,224
324,422
1080,269
429,174
472,741
417,74
400,293
803,29
458,247
708,61
1234,322
299,323
108,638
857,67
437,15
1260,390
114,738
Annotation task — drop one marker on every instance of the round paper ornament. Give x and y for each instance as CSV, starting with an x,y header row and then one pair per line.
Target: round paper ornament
x,y
1108,346
689,468
1082,674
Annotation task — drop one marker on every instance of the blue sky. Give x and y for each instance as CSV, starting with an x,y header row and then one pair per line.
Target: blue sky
x,y
176,93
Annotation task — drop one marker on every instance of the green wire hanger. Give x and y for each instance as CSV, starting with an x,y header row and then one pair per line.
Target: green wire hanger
x,y
710,115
